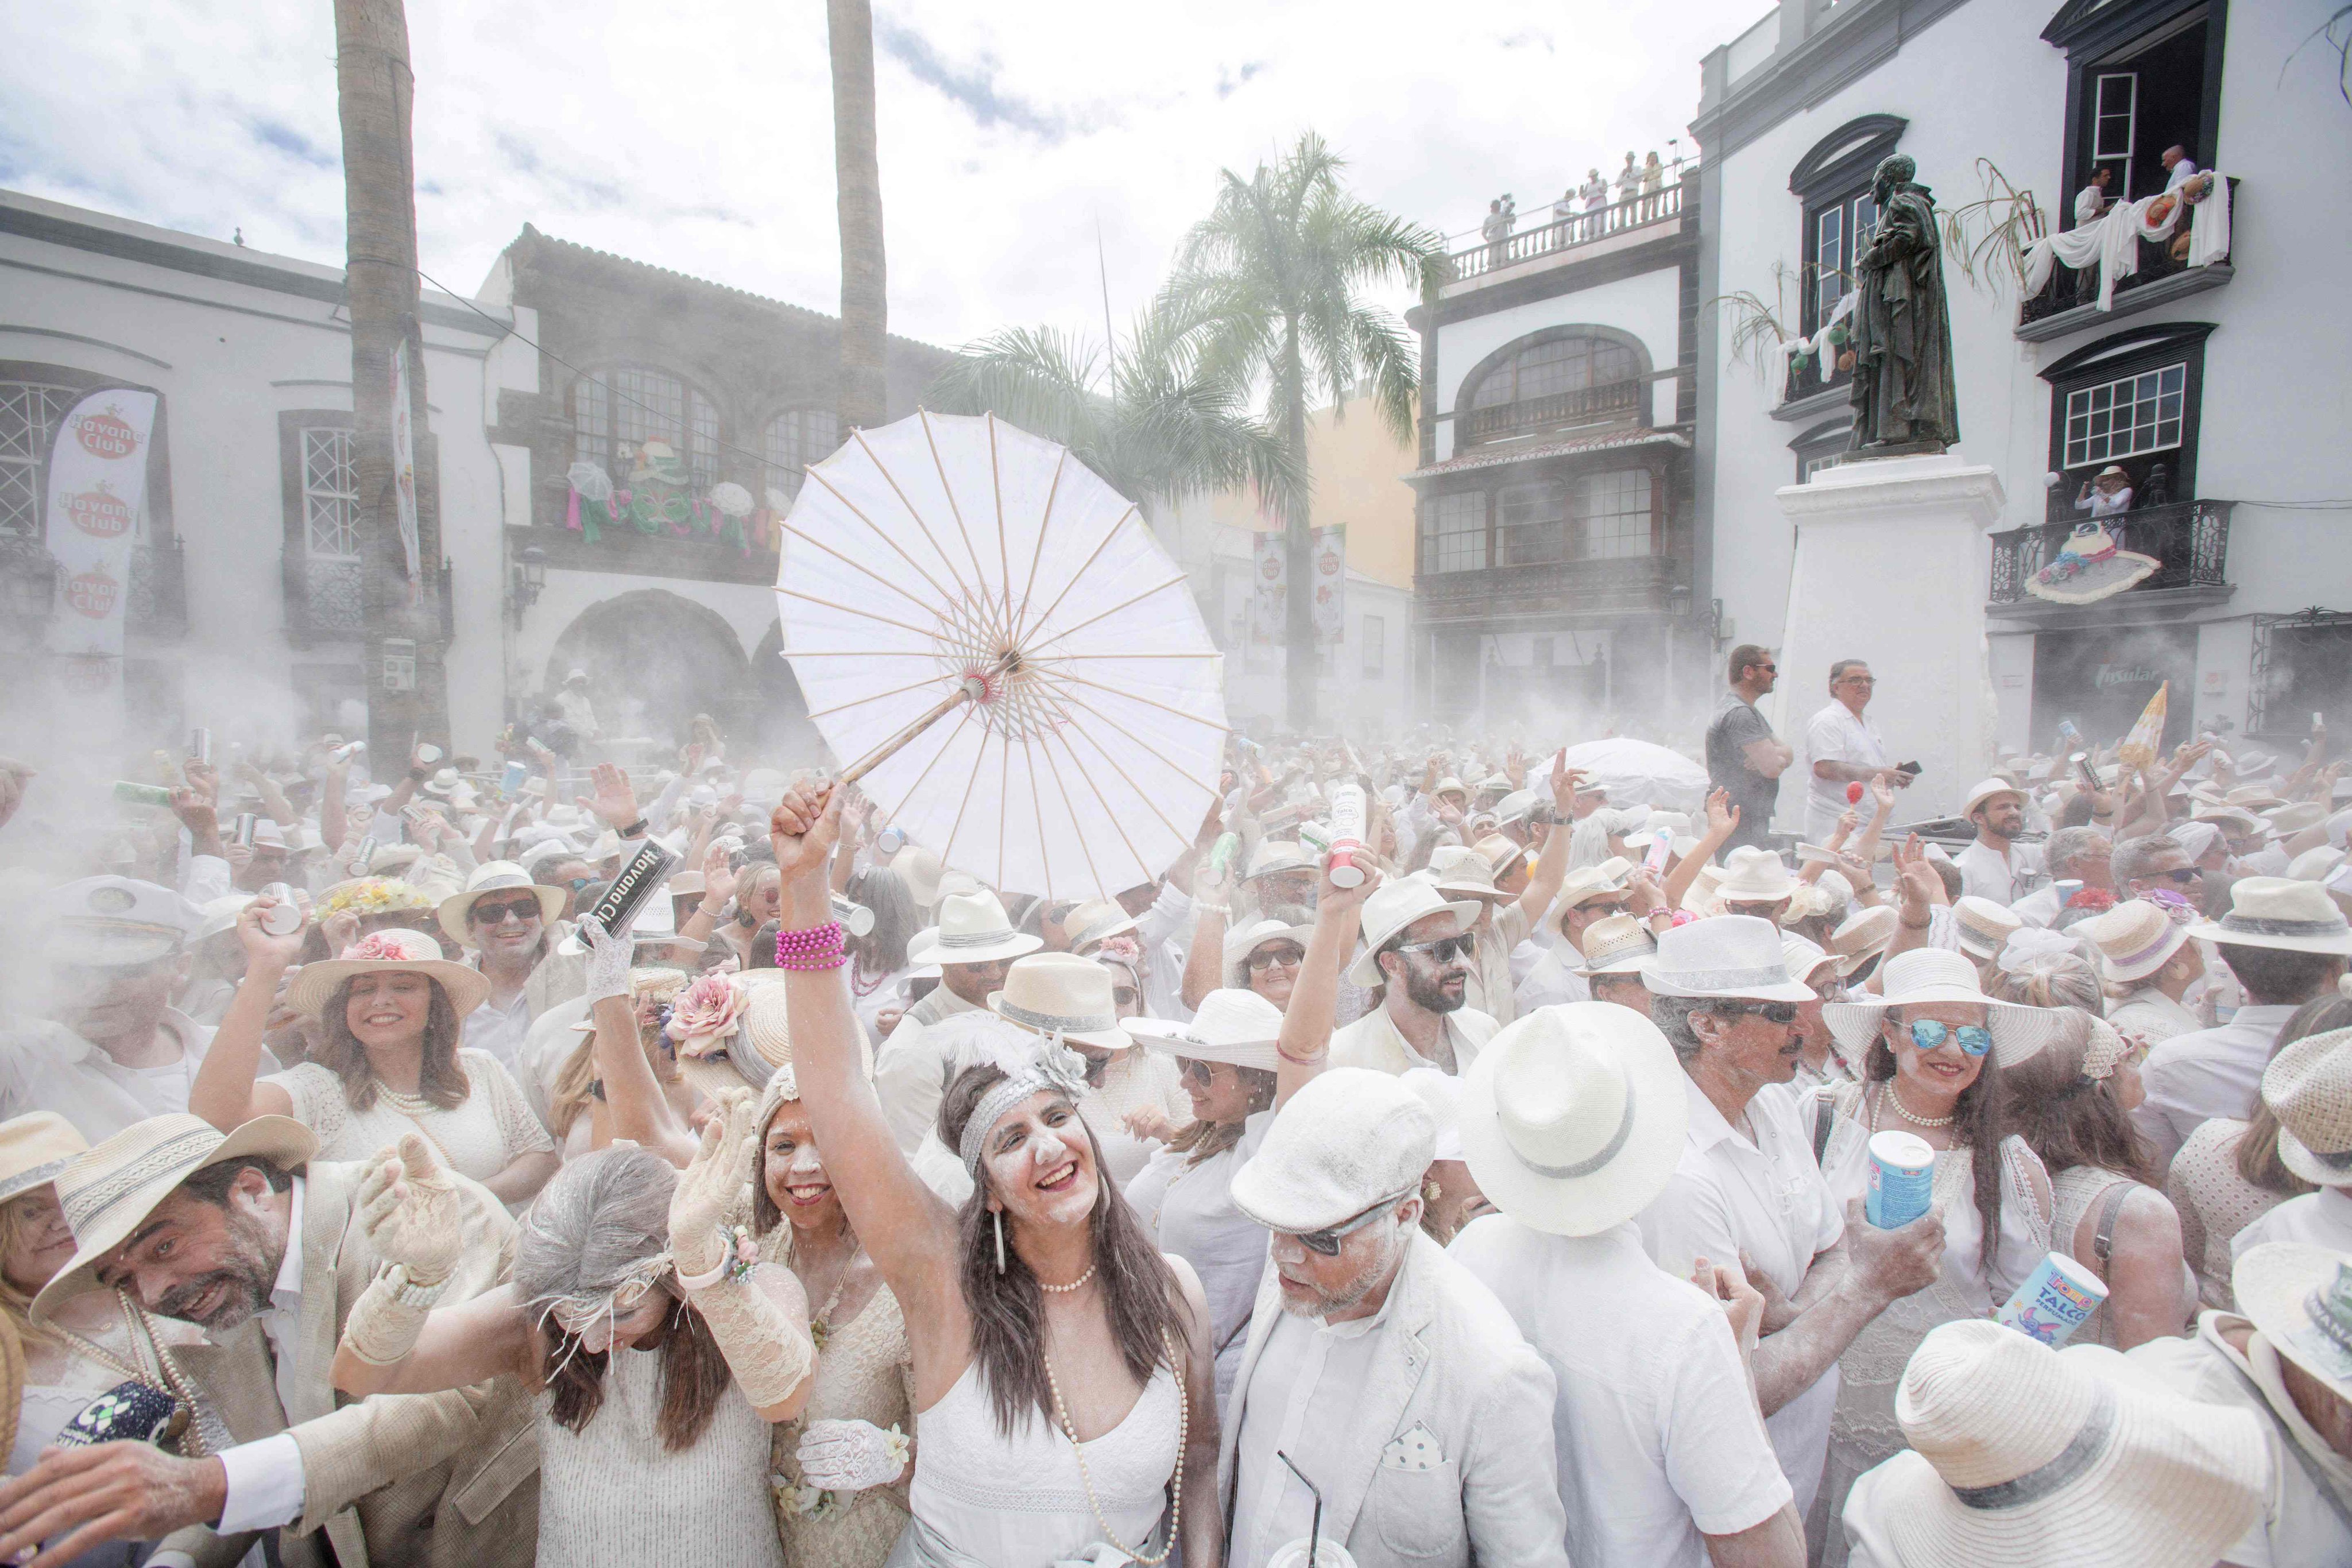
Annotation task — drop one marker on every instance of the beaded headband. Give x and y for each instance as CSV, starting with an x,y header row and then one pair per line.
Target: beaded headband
x,y
1052,1066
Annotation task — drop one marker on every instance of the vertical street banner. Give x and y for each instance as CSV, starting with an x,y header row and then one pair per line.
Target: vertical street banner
x,y
1270,584
1330,559
98,483
404,470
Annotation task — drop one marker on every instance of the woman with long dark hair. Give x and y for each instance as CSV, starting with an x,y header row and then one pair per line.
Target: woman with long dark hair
x,y
658,1352
878,960
387,1060
1063,1368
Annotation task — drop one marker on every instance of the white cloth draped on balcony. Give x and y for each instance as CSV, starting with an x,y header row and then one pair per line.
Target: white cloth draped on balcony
x,y
1814,347
2109,243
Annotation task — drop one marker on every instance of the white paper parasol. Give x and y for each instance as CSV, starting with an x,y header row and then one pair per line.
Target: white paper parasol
x,y
997,637
1638,773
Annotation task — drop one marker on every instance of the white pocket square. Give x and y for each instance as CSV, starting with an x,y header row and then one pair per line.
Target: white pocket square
x,y
1416,1450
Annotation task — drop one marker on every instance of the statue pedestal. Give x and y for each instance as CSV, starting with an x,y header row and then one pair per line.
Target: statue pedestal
x,y
1890,568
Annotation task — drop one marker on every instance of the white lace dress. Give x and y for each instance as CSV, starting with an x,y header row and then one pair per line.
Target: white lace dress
x,y
2214,1203
1863,1431
483,1135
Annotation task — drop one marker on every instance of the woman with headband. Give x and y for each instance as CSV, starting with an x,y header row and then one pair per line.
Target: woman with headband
x,y
660,1349
1063,1369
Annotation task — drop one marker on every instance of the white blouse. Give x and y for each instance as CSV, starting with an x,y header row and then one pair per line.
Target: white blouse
x,y
483,1135
1189,1210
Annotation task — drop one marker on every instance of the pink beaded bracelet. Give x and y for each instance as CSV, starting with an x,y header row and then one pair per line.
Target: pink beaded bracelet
x,y
818,947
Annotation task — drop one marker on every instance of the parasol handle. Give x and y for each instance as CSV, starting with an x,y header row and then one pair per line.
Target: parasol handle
x,y
971,688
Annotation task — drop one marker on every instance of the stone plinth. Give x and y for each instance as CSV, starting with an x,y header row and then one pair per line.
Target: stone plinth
x,y
1890,568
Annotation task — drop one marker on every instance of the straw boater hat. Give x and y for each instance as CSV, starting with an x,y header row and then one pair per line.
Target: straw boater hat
x,y
1926,975
2278,912
1572,1117
1240,943
1754,875
1982,927
972,929
2023,1454
2308,1086
1351,1139
394,948
1394,906
1729,956
108,1192
1063,993
498,876
1617,944
1096,920
1231,1026
2300,1299
2135,940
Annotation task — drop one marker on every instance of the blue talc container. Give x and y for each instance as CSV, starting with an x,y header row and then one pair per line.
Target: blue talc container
x,y
1902,1179
2054,1301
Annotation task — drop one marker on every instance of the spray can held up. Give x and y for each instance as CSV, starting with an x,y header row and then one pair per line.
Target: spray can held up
x,y
1347,835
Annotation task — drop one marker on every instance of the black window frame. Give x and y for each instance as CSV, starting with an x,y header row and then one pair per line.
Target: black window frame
x,y
2119,354
2094,34
1827,439
1831,176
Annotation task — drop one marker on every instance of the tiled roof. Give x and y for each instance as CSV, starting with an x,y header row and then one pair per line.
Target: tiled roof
x,y
1494,456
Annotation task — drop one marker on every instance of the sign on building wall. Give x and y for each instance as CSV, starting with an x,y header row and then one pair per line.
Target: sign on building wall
x,y
98,482
1330,559
1269,583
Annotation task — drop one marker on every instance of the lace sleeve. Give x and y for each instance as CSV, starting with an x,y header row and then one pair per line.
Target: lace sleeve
x,y
318,1103
520,1132
2027,1208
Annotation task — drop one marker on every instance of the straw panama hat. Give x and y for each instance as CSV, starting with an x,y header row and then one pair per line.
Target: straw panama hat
x,y
1754,875
497,876
1240,943
393,949
2308,1086
2312,865
109,1190
1865,934
1617,944
2278,912
1461,872
1061,993
1450,786
1231,1026
972,929
759,1055
1394,906
1985,789
1737,957
1926,975
1096,920
33,1149
2023,1454
2135,939
2287,1289
2294,817
1350,1138
1573,1117
1982,927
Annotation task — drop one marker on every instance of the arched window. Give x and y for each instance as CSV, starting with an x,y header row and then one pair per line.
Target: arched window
x,y
29,411
794,439
1562,365
616,411
1554,381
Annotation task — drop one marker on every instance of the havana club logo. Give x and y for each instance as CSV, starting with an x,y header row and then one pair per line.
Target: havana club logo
x,y
105,433
92,593
99,512
86,676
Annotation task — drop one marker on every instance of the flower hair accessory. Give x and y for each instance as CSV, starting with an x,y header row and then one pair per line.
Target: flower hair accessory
x,y
381,947
703,1017
1052,1066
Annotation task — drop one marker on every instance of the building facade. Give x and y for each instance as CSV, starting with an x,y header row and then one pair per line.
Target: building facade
x,y
2211,382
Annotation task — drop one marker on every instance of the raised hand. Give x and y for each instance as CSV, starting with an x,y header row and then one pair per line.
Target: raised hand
x,y
411,1211
612,802
720,877
803,828
1722,816
608,960
708,1188
263,950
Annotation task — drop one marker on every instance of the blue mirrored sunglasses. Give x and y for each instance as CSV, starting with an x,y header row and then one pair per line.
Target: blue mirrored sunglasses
x,y
1928,1033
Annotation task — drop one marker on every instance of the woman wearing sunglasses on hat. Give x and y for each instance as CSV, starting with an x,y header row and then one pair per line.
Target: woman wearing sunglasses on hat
x,y
1039,1315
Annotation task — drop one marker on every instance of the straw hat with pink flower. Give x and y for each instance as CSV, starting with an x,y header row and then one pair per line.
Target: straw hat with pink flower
x,y
396,949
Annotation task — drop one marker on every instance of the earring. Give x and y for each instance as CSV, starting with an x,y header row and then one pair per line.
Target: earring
x,y
998,1216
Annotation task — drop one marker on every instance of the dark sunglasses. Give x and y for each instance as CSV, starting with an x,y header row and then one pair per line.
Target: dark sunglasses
x,y
1770,1012
1928,1033
489,913
1445,949
1200,1072
1125,996
1281,958
2181,876
1325,1243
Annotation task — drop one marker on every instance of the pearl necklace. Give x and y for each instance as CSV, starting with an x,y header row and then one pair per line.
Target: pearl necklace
x,y
1895,1098
1074,1284
1183,1415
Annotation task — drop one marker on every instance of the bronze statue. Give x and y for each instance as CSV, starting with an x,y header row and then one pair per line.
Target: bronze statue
x,y
1904,400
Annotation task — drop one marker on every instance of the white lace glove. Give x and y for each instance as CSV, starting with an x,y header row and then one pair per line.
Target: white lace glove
x,y
851,1456
412,1213
608,961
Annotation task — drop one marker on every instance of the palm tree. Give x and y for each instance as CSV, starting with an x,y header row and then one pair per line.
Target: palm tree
x,y
1268,285
862,395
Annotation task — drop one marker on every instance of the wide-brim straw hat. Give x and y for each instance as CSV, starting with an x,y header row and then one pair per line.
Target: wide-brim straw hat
x,y
1617,944
1231,1026
2293,818
1063,993
1924,976
2308,1087
393,949
2300,1297
2023,1454
1096,920
1753,875
759,1054
33,1149
1737,957
108,1191
973,929
496,876
1981,927
1350,1138
2135,939
1573,1117
1395,906
2278,912
1240,943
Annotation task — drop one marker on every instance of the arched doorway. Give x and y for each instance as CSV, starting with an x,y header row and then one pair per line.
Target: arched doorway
x,y
783,733
654,661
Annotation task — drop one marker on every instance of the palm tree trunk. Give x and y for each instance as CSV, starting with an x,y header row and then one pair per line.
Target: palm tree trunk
x,y
862,395
375,93
1298,547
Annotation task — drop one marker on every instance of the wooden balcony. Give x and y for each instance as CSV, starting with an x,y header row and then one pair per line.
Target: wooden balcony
x,y
1612,403
2191,538
1598,589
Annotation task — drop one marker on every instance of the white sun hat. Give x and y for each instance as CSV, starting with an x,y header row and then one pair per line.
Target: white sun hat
x,y
1573,1117
1248,939
1096,920
1982,927
1924,976
1754,875
396,948
1805,957
1617,944
2278,912
973,929
2300,1297
2021,1454
1063,993
2135,939
1394,906
1737,957
1462,873
1442,1092
498,876
1985,789
1274,856
1231,1026
2308,1087
1351,1139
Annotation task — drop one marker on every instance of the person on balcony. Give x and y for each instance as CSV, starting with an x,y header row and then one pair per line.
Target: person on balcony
x,y
2107,495
2091,201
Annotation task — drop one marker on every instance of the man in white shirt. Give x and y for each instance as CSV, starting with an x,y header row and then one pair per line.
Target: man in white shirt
x,y
2180,168
1995,866
1418,947
1393,1381
973,944
2091,201
2072,854
1845,749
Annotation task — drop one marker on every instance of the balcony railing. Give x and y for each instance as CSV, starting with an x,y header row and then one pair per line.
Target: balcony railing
x,y
1601,585
2070,288
2191,538
1604,405
1814,373
1659,206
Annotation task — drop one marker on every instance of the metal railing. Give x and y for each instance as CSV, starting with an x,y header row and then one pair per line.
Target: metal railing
x,y
1603,404
2191,538
1659,206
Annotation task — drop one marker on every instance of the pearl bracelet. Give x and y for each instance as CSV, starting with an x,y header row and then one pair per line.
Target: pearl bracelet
x,y
815,948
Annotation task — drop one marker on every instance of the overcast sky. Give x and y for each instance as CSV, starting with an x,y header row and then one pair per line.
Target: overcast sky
x,y
698,135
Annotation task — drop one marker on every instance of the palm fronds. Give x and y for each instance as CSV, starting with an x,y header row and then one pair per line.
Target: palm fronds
x,y
1986,237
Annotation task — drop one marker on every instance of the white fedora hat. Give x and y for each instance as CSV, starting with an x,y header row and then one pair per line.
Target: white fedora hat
x,y
1231,1026
1731,955
2278,912
972,929
2316,864
2023,1454
1063,993
1394,906
2308,1087
393,949
2300,1297
1349,1139
1924,976
1982,927
1094,920
1617,944
1754,875
1573,1116
1461,872
921,870
1274,856
496,876
1240,944
1985,789
2135,939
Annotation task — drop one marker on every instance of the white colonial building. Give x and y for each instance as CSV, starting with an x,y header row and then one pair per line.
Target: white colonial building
x,y
2216,388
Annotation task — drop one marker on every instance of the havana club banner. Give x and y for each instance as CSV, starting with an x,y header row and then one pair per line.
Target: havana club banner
x,y
98,482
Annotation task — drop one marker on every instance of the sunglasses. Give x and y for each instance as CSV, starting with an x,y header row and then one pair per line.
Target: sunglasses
x,y
1325,1242
2181,876
1770,1012
1125,996
1203,1074
1928,1033
488,913
1445,949
1283,957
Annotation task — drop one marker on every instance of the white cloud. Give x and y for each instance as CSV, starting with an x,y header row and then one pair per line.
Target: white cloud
x,y
700,136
